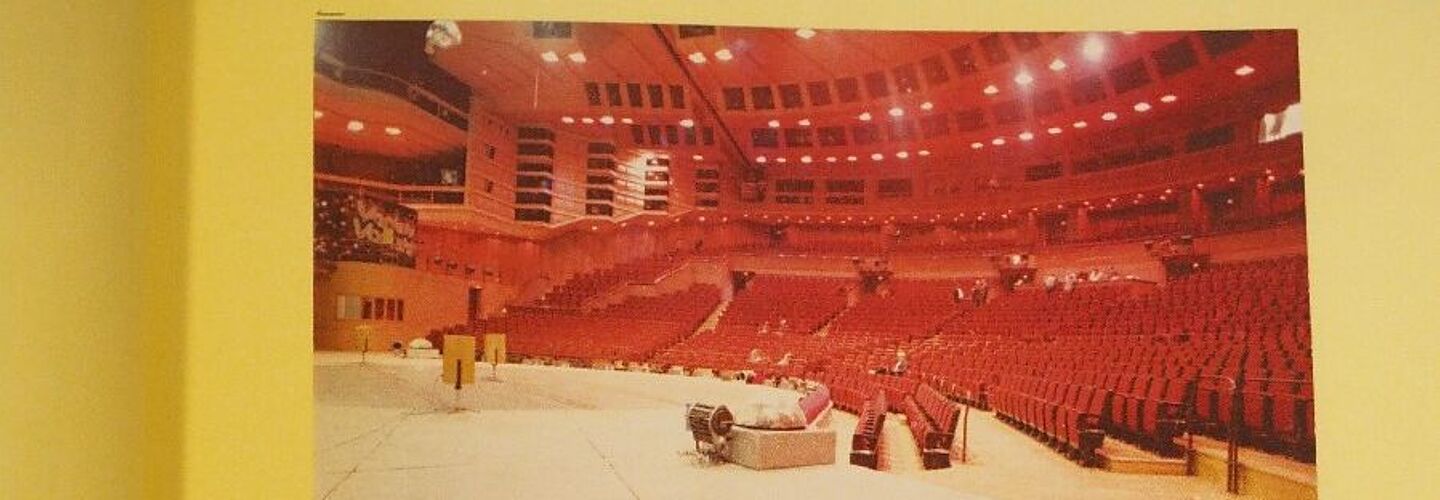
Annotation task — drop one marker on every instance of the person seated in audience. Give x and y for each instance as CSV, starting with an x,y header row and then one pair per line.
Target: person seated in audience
x,y
1068,283
756,356
981,293
783,326
764,328
959,294
1096,275
1050,282
784,360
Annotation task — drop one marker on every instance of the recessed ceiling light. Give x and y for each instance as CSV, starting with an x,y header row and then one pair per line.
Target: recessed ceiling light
x,y
697,57
627,121
1054,130
1168,98
1142,106
865,117
896,111
804,122
567,119
1079,124
976,145
877,157
697,158
1244,70
550,56
687,123
923,152
774,124
760,159
805,33
319,114
902,155
998,141
577,57
1058,65
851,158
1109,116
1025,136
355,126
724,55
927,105
1094,48
607,119
830,159
991,90
587,120
806,159
780,159
1024,78
392,131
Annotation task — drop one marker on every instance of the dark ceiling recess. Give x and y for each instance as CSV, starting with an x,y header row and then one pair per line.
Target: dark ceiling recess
x,y
695,30
544,29
394,48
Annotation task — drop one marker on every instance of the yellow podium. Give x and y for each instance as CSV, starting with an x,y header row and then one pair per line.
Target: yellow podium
x,y
459,360
494,351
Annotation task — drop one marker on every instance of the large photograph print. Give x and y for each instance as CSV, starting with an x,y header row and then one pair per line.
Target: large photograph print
x,y
606,260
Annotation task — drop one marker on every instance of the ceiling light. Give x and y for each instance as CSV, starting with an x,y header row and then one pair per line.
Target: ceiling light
x,y
355,126
1094,48
567,119
1054,130
1025,136
687,123
1058,65
991,90
927,105
550,56
1244,70
697,57
759,159
851,158
1142,106
923,152
697,158
774,124
897,112
865,117
830,159
976,145
1168,98
1024,78
392,131
627,121
607,119
902,155
319,114
806,159
1079,124
805,33
999,141
804,122
577,57
724,55
780,159
877,157
1109,116
587,120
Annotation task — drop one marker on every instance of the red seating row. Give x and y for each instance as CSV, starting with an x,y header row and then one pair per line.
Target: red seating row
x,y
633,330
932,420
1068,416
865,442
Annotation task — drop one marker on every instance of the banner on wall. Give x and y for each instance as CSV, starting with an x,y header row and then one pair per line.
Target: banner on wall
x,y
355,227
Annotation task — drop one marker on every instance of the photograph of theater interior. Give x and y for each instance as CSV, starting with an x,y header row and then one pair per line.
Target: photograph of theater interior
x,y
659,261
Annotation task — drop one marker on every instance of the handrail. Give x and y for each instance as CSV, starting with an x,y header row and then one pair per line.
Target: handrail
x,y
337,70
1232,447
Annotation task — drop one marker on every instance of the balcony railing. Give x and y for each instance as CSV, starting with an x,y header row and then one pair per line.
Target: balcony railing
x,y
452,113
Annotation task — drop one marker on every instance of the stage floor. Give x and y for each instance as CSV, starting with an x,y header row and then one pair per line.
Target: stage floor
x,y
388,429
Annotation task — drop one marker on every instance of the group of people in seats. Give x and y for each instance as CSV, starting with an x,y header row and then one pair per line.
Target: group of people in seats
x,y
574,292
630,331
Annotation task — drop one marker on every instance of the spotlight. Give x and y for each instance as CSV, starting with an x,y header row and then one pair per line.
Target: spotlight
x,y
355,126
724,55
577,57
550,56
805,33
697,57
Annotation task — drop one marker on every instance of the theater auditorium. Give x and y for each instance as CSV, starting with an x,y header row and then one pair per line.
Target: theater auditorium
x,y
739,262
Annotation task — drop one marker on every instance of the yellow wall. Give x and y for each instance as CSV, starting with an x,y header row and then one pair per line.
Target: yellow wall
x,y
73,378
